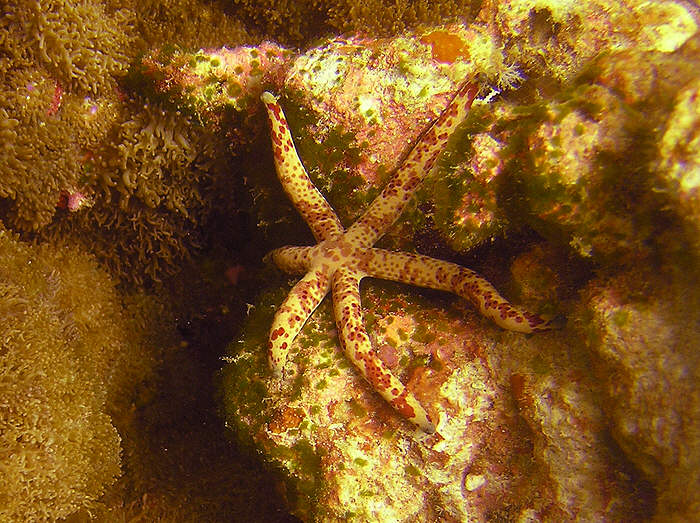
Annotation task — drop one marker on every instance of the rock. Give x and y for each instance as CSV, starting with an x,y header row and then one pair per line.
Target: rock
x,y
519,432
679,160
644,344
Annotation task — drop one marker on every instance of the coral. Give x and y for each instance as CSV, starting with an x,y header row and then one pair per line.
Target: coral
x,y
66,352
190,24
95,382
82,45
46,135
111,154
68,130
154,177
138,244
142,174
60,63
300,22
156,158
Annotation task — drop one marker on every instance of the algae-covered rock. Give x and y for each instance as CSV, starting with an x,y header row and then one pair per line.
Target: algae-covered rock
x,y
575,155
679,159
358,104
575,160
580,175
644,340
352,119
518,430
593,168
553,40
214,84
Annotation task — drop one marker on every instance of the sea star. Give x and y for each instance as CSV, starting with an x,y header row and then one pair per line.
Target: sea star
x,y
341,258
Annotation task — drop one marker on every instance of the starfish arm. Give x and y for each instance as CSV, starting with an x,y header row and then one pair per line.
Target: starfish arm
x,y
358,347
291,316
386,208
290,259
424,271
307,199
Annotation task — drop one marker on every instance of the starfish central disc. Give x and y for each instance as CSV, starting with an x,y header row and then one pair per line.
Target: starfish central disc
x,y
336,253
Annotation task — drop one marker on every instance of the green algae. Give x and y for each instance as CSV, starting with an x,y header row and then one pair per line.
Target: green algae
x,y
357,409
330,163
423,334
412,470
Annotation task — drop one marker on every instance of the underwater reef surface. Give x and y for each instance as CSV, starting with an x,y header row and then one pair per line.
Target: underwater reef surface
x,y
138,197
555,426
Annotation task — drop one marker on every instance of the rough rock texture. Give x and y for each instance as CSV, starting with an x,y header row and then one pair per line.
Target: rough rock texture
x,y
519,431
579,154
645,347
679,159
579,165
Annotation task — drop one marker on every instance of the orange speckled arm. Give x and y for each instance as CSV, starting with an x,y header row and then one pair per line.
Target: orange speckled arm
x,y
389,205
307,199
358,347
